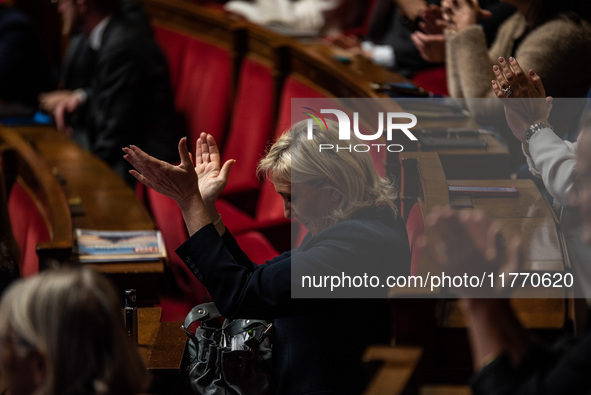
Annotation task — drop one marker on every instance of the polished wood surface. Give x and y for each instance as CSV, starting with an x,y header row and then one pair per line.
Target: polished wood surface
x,y
528,216
161,344
148,319
398,364
33,174
101,198
98,199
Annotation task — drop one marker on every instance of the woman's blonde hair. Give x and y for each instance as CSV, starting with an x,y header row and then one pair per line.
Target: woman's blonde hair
x,y
295,158
72,317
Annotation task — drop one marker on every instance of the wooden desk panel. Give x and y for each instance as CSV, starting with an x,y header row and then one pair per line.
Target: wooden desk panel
x,y
161,344
540,240
529,204
107,202
527,216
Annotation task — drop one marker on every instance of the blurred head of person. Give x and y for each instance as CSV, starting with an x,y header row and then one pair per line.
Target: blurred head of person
x,y
61,333
81,16
322,187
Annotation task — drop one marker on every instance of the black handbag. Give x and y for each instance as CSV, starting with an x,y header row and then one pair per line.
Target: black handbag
x,y
233,358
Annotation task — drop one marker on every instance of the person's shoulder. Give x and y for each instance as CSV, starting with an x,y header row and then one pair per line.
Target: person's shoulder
x,y
122,33
564,26
373,225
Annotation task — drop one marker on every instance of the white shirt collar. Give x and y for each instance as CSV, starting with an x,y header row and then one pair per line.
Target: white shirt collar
x,y
95,39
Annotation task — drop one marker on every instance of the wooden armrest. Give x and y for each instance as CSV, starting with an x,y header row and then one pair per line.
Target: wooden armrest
x,y
399,365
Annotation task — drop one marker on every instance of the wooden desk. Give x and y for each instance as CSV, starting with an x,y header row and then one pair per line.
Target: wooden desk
x,y
486,163
528,216
106,203
531,218
161,344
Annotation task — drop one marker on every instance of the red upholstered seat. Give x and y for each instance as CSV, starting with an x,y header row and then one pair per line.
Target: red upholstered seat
x,y
270,205
29,227
415,229
168,219
252,125
256,246
173,45
432,80
293,88
203,94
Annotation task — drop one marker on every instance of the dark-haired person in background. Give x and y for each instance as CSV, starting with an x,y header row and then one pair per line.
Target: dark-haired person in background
x,y
24,72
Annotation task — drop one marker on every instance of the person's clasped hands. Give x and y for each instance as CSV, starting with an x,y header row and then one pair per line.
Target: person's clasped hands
x,y
466,243
522,94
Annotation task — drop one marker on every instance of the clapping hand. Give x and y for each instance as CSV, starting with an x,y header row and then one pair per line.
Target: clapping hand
x,y
460,14
466,243
527,103
432,20
213,177
179,182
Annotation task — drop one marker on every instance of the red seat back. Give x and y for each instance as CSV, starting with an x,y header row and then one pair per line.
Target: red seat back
x,y
270,204
432,80
203,94
168,218
29,227
256,246
173,45
251,128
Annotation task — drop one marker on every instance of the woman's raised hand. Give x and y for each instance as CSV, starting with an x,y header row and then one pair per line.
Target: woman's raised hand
x,y
213,176
178,182
512,81
530,105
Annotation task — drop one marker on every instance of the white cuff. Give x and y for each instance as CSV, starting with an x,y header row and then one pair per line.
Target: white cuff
x,y
82,95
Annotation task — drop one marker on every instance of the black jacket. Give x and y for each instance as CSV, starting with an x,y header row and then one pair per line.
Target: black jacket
x,y
130,99
317,343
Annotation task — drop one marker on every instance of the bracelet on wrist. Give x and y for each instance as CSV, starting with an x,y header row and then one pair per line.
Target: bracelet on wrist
x,y
533,129
217,221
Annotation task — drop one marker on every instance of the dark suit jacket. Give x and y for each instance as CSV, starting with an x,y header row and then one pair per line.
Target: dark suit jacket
x,y
317,343
130,99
